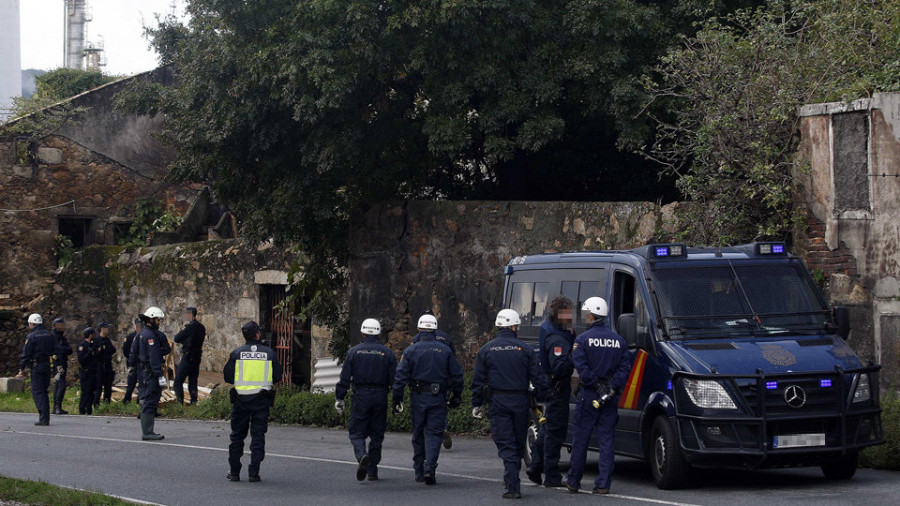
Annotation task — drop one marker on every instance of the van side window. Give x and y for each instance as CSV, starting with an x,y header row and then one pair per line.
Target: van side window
x,y
530,301
578,292
627,298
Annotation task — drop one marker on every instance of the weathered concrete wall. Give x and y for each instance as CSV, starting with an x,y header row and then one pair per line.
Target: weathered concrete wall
x,y
850,193
450,256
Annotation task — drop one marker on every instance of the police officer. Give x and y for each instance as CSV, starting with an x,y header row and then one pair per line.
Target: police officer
x,y
428,323
602,360
63,351
105,372
191,339
555,349
369,370
131,378
253,369
38,355
88,355
148,353
431,371
506,365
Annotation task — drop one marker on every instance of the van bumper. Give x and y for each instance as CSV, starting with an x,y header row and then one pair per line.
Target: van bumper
x,y
763,435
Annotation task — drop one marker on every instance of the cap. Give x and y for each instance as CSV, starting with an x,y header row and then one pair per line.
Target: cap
x,y
103,325
250,329
59,320
88,331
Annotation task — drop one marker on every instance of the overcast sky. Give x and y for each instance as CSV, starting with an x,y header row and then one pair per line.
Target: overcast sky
x,y
119,22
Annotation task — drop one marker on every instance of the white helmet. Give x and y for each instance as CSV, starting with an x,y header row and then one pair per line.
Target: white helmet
x,y
371,327
154,312
596,305
507,318
35,319
427,322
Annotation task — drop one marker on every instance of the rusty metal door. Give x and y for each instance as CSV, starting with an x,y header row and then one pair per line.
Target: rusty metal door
x,y
280,323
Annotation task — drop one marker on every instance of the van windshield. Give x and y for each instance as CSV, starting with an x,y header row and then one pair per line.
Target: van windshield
x,y
736,299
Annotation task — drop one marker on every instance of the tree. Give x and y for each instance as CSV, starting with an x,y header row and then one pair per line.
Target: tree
x,y
63,83
729,98
298,114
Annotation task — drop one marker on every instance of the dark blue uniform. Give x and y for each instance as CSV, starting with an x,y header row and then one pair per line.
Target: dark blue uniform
x,y
88,354
148,353
250,413
132,376
430,370
369,370
506,365
63,350
556,361
40,350
439,336
105,373
601,357
191,339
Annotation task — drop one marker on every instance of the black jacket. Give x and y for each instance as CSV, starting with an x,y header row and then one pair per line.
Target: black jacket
x,y
191,339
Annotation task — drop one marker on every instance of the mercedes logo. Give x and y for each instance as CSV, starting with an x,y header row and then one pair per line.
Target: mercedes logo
x,y
795,396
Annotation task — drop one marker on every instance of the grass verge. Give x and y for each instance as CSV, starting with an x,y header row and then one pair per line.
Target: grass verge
x,y
39,493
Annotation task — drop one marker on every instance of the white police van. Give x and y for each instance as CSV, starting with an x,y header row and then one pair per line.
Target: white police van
x,y
738,359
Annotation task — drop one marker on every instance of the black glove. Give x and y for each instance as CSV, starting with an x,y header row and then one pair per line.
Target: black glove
x,y
455,401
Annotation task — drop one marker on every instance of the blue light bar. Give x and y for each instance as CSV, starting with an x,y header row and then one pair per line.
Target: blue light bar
x,y
778,249
825,383
771,385
669,385
771,248
668,250
662,251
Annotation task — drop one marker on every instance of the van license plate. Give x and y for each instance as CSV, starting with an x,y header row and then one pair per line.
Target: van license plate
x,y
799,440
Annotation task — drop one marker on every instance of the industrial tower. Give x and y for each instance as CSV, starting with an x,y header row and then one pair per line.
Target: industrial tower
x,y
79,53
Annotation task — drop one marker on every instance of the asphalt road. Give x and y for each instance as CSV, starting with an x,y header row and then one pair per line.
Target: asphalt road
x,y
315,466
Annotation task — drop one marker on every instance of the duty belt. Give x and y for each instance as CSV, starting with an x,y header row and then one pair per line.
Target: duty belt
x,y
421,387
518,392
369,386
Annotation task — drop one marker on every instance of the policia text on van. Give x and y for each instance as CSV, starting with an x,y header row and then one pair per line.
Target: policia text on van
x,y
738,359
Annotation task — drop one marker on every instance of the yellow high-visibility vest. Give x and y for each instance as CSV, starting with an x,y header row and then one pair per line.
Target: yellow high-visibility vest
x,y
252,375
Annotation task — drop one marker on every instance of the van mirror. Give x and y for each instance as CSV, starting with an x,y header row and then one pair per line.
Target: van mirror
x,y
627,327
842,321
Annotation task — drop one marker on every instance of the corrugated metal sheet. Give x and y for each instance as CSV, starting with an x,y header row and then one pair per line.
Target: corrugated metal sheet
x,y
327,374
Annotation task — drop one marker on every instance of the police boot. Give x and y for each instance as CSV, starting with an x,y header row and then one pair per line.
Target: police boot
x,y
57,410
179,400
147,423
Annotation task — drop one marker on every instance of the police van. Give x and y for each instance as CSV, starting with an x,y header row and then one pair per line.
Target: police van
x,y
738,360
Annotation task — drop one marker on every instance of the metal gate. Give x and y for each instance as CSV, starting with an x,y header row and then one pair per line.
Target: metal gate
x,y
281,323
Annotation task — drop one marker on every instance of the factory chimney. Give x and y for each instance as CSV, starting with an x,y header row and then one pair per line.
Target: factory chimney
x,y
75,13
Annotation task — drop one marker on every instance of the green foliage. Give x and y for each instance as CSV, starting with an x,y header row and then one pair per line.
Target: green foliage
x,y
63,83
37,116
726,104
150,218
63,249
14,491
886,456
299,114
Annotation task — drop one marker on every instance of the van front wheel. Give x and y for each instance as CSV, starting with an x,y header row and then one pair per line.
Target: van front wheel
x,y
670,470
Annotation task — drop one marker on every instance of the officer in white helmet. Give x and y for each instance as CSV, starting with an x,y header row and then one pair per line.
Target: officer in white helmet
x,y
602,360
368,372
38,356
148,354
428,325
503,371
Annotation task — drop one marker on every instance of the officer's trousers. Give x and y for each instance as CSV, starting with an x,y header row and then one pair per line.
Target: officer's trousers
x,y
109,376
249,413
368,419
99,378
86,403
429,417
129,389
40,383
550,437
187,369
509,430
152,392
588,420
59,389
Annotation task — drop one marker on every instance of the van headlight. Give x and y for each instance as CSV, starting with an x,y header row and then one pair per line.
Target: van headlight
x,y
708,394
863,392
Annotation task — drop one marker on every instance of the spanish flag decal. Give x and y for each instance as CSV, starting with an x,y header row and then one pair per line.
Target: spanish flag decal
x,y
629,398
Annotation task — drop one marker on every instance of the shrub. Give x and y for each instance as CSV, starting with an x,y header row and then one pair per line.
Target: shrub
x,y
886,456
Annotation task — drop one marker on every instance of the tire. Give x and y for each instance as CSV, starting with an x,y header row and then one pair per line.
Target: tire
x,y
529,440
670,469
842,469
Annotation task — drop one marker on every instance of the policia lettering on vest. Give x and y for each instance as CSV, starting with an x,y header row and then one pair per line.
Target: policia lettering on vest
x,y
253,369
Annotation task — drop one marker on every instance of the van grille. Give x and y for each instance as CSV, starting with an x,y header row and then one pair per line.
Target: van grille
x,y
819,399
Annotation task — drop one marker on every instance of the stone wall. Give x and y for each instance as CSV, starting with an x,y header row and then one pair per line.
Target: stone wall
x,y
849,190
450,256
